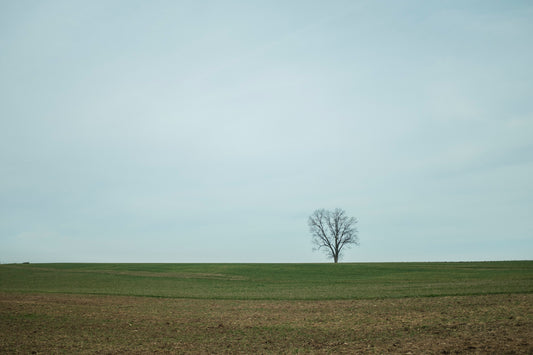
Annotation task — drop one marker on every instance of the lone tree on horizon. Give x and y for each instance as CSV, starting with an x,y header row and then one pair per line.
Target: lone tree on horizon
x,y
332,231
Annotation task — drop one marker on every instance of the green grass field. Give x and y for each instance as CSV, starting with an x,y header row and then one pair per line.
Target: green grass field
x,y
418,308
272,281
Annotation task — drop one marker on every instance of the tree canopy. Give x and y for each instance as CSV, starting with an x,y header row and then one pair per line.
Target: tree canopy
x,y
332,231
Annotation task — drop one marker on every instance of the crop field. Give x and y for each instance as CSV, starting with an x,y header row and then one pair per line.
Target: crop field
x,y
439,308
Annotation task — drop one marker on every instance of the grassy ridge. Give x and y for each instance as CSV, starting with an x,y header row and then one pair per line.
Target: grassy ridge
x,y
272,281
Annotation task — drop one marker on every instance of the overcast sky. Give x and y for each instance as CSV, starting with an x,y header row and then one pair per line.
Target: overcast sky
x,y
208,131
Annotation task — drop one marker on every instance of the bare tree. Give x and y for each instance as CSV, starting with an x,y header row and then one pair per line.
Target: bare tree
x,y
332,231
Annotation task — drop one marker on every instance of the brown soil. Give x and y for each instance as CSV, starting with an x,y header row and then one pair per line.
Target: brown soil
x,y
49,323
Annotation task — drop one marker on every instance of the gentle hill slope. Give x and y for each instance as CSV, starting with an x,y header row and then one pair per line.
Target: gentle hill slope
x,y
272,281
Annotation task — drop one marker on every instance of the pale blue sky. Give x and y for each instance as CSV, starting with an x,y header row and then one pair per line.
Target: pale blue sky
x,y
208,131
